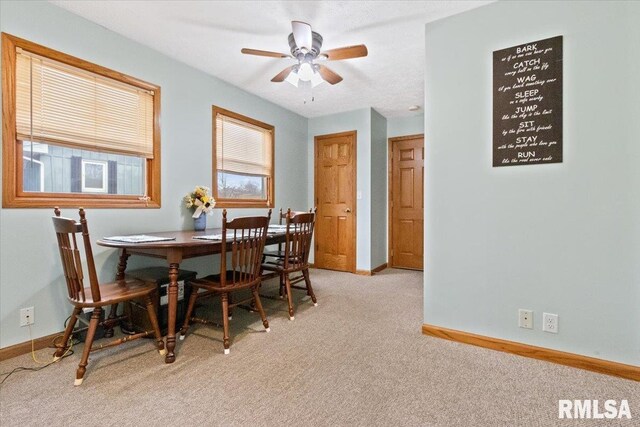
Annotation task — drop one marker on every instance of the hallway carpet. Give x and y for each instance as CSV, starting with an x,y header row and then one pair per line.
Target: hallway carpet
x,y
358,359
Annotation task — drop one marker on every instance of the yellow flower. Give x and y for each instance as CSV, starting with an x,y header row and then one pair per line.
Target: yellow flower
x,y
200,194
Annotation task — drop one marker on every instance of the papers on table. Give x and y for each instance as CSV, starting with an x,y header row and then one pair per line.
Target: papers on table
x,y
216,237
277,229
140,238
278,226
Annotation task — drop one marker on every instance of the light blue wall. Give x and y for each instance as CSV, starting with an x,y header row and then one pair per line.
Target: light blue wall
x,y
403,126
558,238
30,267
379,191
360,121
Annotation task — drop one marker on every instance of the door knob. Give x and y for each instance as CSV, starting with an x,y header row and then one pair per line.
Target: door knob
x,y
348,210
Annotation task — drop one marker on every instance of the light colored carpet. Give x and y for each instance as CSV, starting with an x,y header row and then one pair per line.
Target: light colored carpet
x,y
358,358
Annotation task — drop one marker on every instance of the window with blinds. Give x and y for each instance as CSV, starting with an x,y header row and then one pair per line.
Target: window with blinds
x,y
65,105
243,167
83,133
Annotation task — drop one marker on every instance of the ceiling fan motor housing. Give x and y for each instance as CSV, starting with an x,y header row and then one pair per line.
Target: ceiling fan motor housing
x,y
315,47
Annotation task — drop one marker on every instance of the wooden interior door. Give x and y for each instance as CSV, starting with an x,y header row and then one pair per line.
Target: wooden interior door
x,y
335,195
406,210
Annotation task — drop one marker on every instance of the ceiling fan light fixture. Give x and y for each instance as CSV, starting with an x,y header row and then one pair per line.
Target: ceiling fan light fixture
x,y
293,78
305,72
316,79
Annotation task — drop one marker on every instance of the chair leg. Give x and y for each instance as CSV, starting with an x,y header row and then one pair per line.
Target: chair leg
x,y
258,303
88,342
287,283
108,332
153,318
230,310
67,333
225,322
281,285
307,280
187,318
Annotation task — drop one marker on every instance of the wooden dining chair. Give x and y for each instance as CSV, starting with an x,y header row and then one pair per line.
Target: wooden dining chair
x,y
282,220
295,258
96,296
281,216
279,253
246,247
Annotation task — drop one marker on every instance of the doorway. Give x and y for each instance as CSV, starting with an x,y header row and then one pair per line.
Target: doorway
x,y
406,202
335,197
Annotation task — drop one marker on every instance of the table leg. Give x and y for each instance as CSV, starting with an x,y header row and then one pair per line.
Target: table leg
x,y
172,308
126,326
122,265
109,323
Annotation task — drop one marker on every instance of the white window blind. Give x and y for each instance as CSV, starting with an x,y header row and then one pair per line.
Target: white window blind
x,y
61,104
242,147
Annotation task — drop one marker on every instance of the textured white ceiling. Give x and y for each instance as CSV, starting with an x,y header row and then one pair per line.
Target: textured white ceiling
x,y
208,35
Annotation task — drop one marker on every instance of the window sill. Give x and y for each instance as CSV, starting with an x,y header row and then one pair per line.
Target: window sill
x,y
266,204
74,202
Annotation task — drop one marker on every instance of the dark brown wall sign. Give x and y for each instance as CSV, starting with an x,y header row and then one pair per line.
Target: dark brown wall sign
x,y
527,103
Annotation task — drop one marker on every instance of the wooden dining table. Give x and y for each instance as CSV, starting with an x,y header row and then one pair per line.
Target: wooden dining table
x,y
182,246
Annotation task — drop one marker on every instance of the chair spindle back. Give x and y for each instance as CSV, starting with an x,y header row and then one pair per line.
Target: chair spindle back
x,y
246,246
66,230
298,239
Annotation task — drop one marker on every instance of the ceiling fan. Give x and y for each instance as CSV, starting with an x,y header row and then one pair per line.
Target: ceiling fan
x,y
305,48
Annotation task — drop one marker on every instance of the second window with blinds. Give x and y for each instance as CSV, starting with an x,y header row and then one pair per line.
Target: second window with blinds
x,y
243,168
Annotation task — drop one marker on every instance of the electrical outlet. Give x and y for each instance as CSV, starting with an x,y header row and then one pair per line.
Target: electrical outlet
x,y
550,322
525,318
26,316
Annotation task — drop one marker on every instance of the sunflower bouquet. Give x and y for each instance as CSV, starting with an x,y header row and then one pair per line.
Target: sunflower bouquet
x,y
200,200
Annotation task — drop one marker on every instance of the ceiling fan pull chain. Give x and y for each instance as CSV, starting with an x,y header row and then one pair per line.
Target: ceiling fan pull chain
x,y
308,89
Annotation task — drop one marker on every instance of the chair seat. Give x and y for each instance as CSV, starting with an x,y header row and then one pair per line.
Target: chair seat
x,y
278,266
212,282
115,292
273,265
276,254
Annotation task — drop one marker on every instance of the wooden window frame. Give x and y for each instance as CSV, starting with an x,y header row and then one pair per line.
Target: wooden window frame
x,y
243,203
13,195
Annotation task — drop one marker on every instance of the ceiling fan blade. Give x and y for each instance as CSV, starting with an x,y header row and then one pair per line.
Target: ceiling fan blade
x,y
264,53
328,75
282,75
347,52
302,34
